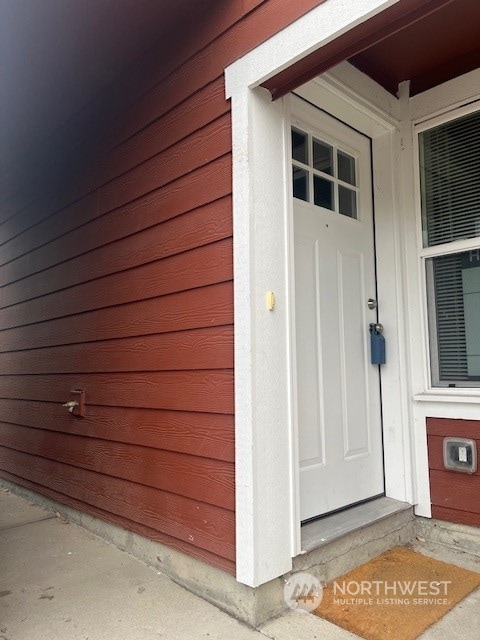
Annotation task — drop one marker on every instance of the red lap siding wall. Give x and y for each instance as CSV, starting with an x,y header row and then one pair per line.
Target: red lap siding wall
x,y
455,496
116,277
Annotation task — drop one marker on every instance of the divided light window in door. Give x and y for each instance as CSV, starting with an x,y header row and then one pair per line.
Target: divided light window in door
x,y
323,174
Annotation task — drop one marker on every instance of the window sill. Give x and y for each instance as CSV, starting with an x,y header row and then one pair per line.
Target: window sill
x,y
465,396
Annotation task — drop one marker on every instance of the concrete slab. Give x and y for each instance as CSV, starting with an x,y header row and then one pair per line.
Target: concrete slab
x,y
461,623
305,626
59,581
15,511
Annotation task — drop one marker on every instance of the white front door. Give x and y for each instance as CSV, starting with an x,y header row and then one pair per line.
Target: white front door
x,y
338,389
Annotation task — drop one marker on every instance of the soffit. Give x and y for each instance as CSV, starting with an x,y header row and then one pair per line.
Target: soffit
x,y
425,41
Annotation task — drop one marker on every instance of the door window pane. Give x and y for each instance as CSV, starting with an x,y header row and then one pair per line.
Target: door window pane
x,y
346,168
322,157
299,146
321,172
347,202
300,184
323,193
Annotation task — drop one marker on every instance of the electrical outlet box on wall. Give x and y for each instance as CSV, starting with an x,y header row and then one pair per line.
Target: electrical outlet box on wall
x,y
460,454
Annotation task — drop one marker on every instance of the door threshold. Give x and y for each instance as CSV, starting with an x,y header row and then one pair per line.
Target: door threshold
x,y
322,531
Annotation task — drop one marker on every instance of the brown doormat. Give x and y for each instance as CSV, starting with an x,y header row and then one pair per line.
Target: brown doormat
x,y
395,596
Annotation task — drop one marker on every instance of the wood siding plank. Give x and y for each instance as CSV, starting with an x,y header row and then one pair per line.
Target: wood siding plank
x,y
116,226
456,515
33,228
194,113
195,73
451,427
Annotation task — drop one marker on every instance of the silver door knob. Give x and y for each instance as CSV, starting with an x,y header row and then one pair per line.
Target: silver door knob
x,y
372,304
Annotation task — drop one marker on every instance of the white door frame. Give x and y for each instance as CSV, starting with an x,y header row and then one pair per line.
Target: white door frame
x,y
268,528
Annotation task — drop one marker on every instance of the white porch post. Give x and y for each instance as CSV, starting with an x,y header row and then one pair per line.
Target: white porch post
x,y
262,384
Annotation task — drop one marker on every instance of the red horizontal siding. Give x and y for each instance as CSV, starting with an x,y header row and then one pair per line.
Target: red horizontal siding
x,y
207,526
210,143
187,475
198,268
208,306
456,515
185,350
200,227
210,391
116,277
454,495
193,114
84,248
209,435
185,194
126,523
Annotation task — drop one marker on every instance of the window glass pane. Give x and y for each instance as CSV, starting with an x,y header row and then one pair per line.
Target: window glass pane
x,y
454,302
299,146
300,183
322,157
450,180
347,202
346,168
471,306
323,193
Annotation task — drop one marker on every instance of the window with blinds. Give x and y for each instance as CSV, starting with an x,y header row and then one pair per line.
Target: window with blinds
x,y
450,174
450,189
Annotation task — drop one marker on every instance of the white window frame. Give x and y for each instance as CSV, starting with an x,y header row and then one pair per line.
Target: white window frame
x,y
424,253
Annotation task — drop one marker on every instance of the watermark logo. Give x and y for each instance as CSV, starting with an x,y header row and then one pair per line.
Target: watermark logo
x,y
393,592
303,592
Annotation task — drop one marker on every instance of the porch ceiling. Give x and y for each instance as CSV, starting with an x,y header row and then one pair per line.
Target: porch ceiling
x,y
425,41
440,46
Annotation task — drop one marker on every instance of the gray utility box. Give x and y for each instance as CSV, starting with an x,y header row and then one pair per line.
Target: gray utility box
x,y
460,454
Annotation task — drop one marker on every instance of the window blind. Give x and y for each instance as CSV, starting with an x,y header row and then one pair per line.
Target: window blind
x,y
450,180
447,303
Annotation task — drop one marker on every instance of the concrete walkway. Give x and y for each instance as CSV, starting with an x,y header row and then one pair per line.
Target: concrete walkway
x,y
60,582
